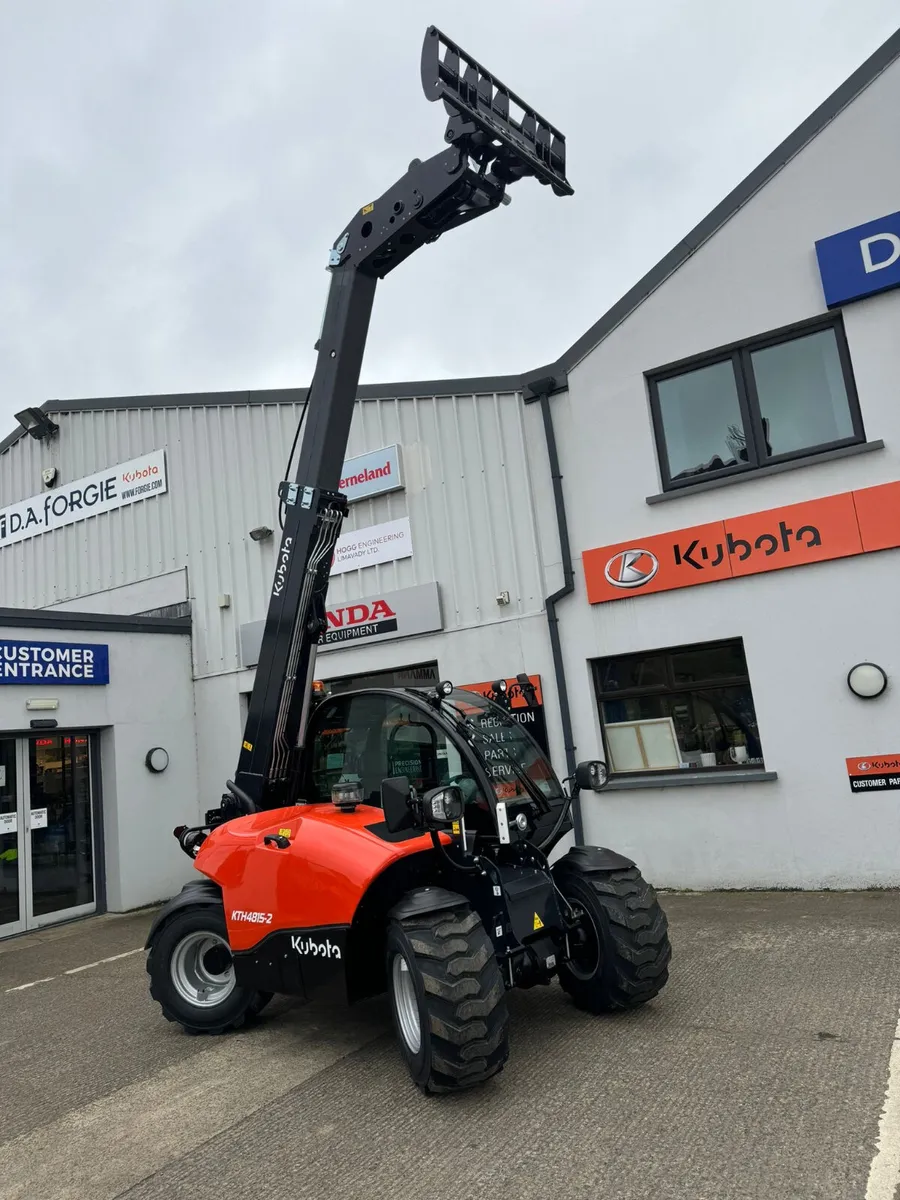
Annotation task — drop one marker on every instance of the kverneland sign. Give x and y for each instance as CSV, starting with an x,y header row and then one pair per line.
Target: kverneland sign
x,y
380,618
372,474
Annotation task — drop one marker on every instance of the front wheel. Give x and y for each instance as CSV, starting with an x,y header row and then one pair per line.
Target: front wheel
x,y
448,999
620,950
192,974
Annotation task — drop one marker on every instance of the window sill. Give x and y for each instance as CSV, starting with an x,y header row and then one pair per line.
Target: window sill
x,y
689,779
707,485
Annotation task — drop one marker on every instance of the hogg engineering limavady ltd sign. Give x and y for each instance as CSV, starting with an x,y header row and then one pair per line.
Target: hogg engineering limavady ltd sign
x,y
139,479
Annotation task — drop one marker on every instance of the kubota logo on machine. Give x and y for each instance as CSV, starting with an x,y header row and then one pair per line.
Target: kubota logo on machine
x,y
281,569
309,947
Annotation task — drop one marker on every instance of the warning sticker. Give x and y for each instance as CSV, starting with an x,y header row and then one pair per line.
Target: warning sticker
x,y
538,923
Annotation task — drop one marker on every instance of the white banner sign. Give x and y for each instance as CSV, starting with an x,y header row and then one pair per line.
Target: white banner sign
x,y
139,479
374,544
372,474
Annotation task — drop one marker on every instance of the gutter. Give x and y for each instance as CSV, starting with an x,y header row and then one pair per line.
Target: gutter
x,y
540,390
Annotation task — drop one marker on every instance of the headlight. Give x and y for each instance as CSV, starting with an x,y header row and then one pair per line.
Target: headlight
x,y
346,794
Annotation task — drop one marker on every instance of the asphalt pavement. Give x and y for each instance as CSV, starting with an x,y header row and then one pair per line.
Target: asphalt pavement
x,y
761,1071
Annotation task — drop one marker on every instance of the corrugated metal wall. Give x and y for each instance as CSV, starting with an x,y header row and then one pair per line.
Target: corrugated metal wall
x,y
469,496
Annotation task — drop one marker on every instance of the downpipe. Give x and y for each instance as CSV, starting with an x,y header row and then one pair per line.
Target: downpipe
x,y
540,390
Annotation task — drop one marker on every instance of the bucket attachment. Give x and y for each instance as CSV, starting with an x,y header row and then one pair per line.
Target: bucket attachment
x,y
512,146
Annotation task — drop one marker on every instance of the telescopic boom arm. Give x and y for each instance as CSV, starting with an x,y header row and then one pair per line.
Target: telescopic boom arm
x,y
488,149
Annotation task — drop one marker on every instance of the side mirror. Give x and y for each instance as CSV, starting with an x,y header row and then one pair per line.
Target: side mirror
x,y
442,806
591,776
395,796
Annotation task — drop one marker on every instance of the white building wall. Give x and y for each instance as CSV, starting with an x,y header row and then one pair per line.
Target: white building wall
x,y
470,494
803,628
148,702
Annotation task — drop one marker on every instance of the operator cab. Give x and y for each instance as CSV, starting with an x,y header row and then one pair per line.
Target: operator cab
x,y
455,738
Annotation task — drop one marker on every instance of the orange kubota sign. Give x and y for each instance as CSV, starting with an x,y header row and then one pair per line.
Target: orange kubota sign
x,y
816,530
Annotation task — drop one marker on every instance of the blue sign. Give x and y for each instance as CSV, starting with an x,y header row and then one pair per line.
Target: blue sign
x,y
861,261
53,663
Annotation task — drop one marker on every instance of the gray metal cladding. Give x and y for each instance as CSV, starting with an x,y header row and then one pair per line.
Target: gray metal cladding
x,y
468,492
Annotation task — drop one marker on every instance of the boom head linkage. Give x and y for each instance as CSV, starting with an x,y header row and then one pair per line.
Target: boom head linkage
x,y
490,148
480,120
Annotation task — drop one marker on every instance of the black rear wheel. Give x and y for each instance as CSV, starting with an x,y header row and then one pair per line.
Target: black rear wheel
x,y
192,975
448,999
620,951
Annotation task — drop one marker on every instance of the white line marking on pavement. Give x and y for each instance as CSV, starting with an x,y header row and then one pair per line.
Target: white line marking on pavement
x,y
74,970
884,1173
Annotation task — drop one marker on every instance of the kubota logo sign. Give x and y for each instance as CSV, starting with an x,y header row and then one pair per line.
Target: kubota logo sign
x,y
631,568
815,531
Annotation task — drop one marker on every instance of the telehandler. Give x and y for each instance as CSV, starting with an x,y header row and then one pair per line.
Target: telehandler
x,y
397,839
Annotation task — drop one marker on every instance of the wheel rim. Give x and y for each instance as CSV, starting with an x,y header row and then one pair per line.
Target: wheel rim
x,y
406,1003
585,960
202,969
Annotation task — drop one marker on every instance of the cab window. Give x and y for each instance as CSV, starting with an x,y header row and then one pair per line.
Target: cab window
x,y
369,738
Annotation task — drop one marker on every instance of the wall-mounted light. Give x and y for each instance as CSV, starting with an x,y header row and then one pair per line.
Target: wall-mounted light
x,y
867,680
41,705
50,475
260,533
157,760
36,422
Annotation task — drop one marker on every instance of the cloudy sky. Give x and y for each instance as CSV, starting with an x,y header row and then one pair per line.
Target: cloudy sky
x,y
173,172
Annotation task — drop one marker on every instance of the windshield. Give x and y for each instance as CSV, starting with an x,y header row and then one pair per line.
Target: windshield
x,y
505,747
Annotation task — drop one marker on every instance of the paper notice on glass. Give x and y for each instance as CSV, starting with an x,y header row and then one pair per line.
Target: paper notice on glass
x,y
3,776
8,823
39,818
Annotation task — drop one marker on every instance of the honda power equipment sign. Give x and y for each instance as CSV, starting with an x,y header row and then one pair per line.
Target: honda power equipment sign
x,y
372,474
53,662
127,483
378,618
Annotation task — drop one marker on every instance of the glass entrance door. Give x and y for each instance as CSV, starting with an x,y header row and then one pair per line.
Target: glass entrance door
x,y
12,862
46,831
60,866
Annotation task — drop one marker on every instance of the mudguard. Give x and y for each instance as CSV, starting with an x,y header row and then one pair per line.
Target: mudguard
x,y
198,891
592,858
292,881
425,900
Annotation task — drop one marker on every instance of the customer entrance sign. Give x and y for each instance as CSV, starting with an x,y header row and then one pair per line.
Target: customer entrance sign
x,y
56,663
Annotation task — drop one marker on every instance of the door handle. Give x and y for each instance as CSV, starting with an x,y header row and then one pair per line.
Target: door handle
x,y
276,839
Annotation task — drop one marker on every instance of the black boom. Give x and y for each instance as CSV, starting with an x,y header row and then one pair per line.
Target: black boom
x,y
488,150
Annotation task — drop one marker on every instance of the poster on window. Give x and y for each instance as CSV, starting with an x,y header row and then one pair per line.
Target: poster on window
x,y
531,718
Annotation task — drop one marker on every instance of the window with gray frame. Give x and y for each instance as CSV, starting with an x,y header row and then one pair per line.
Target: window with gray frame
x,y
788,395
684,708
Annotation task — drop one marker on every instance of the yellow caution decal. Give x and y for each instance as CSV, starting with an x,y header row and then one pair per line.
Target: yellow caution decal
x,y
538,923
284,833
367,209
248,746
455,827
